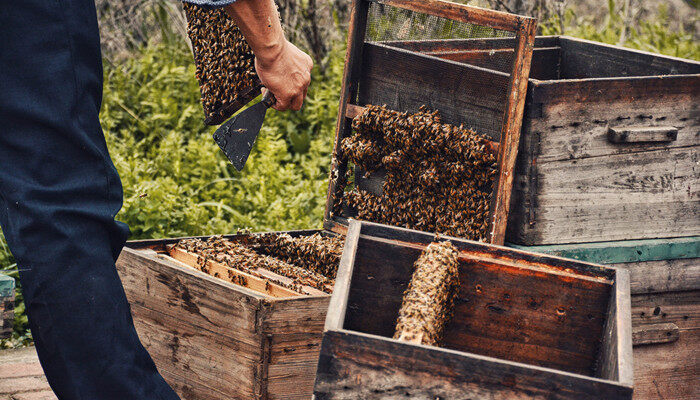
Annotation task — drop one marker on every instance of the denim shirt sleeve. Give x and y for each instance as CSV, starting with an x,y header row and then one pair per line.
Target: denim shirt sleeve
x,y
211,3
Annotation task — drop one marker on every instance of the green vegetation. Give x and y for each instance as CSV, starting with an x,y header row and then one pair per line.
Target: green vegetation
x,y
177,182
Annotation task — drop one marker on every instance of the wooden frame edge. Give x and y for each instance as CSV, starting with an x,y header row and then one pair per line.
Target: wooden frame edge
x,y
335,318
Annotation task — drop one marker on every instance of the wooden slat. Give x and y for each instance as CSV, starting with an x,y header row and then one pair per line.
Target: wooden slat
x,y
587,59
353,111
434,45
510,133
358,366
462,93
461,12
338,304
348,91
235,276
545,60
185,317
655,334
293,328
503,311
668,370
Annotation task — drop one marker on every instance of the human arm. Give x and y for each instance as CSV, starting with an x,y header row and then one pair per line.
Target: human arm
x,y
282,67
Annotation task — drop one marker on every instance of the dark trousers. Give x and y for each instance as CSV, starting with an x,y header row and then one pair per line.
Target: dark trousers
x,y
59,193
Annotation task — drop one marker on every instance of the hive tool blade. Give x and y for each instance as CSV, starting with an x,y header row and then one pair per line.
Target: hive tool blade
x,y
236,136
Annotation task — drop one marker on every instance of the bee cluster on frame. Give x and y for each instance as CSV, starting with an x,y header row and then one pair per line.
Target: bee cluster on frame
x,y
439,177
310,261
224,62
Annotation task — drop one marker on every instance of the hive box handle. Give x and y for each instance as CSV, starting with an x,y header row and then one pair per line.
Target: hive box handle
x,y
642,134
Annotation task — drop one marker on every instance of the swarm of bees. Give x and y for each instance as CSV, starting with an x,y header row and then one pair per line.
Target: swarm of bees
x,y
428,303
224,61
438,176
317,253
293,258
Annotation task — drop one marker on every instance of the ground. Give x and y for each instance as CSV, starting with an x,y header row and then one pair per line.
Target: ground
x,y
21,376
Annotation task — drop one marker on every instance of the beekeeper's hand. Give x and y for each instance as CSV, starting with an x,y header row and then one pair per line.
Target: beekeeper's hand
x,y
282,67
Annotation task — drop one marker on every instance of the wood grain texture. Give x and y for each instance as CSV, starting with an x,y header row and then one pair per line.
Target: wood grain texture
x,y
668,370
222,271
622,196
663,276
510,133
215,340
405,81
655,334
185,317
567,122
461,12
293,328
348,93
587,59
358,366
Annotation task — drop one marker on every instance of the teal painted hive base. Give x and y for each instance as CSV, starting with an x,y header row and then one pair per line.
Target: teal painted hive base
x,y
665,286
7,305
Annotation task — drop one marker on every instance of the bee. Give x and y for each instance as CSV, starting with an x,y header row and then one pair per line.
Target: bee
x,y
438,176
223,59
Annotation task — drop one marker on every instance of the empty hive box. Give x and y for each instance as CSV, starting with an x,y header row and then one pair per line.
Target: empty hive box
x,y
524,325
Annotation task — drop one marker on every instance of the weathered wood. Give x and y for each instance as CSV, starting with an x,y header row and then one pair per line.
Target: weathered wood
x,y
663,276
354,365
533,310
668,370
339,300
655,334
405,81
553,328
587,59
461,12
448,45
212,339
642,134
510,133
293,328
621,196
229,274
615,358
184,316
655,265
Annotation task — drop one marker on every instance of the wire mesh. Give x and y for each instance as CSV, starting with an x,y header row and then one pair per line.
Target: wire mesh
x,y
441,37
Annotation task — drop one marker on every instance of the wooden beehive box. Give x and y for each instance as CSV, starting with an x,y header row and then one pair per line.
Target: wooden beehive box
x,y
665,287
378,73
525,325
212,339
609,147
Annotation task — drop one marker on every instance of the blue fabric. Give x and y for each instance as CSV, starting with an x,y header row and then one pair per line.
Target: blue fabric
x,y
211,3
59,193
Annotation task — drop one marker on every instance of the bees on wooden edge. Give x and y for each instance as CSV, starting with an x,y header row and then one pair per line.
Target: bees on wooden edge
x,y
308,260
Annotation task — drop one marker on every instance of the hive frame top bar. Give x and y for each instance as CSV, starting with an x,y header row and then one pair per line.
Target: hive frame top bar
x,y
522,27
461,12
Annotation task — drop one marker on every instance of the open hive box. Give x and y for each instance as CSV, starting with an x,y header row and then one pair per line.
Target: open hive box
x,y
524,325
397,162
610,143
217,330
